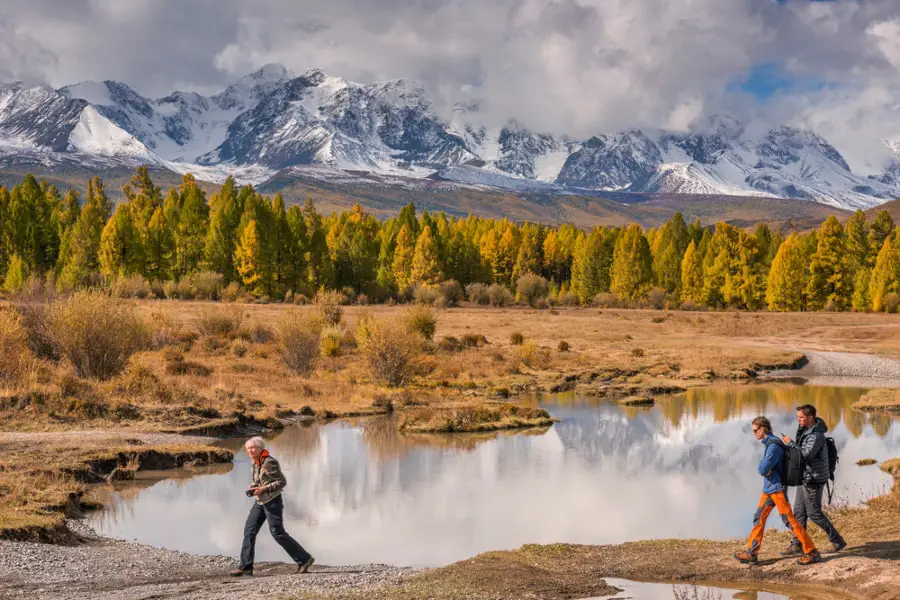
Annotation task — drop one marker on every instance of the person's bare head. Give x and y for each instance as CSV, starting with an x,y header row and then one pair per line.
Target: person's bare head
x,y
761,427
806,415
254,446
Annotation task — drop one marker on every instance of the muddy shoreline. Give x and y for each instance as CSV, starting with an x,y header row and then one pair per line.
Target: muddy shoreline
x,y
108,569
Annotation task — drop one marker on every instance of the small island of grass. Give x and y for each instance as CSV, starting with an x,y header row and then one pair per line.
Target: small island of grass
x,y
492,417
880,400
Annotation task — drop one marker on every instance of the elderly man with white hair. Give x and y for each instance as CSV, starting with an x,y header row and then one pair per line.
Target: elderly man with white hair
x,y
266,484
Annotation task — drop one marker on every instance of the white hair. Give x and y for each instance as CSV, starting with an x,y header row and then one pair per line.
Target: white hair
x,y
256,441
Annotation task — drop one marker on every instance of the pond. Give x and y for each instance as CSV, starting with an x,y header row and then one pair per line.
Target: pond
x,y
632,590
360,492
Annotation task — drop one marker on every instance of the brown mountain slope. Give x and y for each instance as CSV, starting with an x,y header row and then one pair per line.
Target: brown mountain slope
x,y
386,199
893,208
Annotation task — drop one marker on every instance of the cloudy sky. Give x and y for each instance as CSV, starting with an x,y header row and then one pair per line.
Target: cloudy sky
x,y
574,66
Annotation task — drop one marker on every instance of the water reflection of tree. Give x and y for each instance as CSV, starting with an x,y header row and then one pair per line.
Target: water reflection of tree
x,y
834,405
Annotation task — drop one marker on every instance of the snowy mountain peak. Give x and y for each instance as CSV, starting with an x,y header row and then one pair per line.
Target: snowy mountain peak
x,y
270,120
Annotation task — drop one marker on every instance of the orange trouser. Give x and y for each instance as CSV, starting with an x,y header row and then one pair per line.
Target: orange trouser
x,y
766,503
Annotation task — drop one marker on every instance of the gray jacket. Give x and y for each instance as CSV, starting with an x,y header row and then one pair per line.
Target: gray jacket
x,y
267,474
811,441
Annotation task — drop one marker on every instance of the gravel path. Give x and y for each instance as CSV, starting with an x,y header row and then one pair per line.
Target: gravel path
x,y
847,368
104,569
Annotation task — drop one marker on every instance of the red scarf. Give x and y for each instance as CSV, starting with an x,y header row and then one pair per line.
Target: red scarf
x,y
261,456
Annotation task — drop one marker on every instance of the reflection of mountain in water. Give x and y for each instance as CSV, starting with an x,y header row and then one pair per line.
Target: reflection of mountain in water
x,y
602,474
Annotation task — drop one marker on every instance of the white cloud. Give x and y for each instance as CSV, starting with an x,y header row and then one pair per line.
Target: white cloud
x,y
574,66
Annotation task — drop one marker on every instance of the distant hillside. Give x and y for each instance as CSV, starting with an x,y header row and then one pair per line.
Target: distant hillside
x,y
893,208
383,200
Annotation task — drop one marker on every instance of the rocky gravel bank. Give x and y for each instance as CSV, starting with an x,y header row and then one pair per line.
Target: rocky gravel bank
x,y
105,569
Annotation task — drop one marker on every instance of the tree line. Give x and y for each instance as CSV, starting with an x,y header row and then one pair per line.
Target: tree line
x,y
257,243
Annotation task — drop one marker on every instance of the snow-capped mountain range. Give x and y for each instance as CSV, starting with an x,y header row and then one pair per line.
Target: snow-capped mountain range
x,y
272,121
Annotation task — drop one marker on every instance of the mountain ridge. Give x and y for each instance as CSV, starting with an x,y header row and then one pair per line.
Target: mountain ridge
x,y
271,120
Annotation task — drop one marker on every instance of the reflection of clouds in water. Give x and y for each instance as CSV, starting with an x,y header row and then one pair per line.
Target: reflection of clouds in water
x,y
364,493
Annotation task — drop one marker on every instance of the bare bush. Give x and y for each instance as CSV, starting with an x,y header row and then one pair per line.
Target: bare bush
x,y
606,300
134,286
425,294
567,299
891,303
222,320
15,357
517,339
450,294
37,326
499,295
232,292
298,343
421,320
330,306
656,298
531,289
205,285
478,293
96,333
391,352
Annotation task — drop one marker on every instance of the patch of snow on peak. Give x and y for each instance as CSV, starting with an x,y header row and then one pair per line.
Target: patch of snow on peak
x,y
95,92
547,166
95,134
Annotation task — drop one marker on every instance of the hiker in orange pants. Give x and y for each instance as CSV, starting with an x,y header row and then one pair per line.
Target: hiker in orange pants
x,y
773,496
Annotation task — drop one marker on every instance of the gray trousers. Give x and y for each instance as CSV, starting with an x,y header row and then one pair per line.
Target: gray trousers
x,y
808,507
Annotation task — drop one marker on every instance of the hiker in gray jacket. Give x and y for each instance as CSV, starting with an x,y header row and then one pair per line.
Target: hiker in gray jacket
x,y
266,483
808,501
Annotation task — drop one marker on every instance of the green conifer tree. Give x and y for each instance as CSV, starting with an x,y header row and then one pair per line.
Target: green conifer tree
x,y
632,268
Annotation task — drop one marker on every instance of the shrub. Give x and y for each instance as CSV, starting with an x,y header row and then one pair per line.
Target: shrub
x,y
425,294
532,356
451,344
130,287
531,289
239,348
301,299
16,274
365,327
298,343
157,290
478,293
637,352
260,334
97,352
563,346
450,294
688,305
170,289
605,300
34,318
391,352
499,295
329,305
15,357
223,320
891,303
184,290
362,300
206,285
231,292
472,340
656,298
421,320
330,340
517,339
567,299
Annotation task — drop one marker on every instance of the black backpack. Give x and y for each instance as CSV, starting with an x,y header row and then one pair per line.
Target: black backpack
x,y
792,465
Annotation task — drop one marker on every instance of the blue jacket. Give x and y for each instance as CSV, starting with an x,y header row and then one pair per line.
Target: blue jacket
x,y
770,465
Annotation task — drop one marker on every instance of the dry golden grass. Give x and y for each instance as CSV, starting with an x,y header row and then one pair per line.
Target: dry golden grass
x,y
490,417
880,400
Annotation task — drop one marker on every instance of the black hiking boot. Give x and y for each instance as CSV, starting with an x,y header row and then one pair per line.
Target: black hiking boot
x,y
792,550
839,545
239,572
304,567
746,557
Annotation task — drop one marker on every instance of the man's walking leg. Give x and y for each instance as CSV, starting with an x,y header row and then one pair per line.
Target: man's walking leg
x,y
784,509
814,493
801,500
275,516
255,520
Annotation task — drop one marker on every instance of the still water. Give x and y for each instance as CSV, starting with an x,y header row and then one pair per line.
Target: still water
x,y
360,492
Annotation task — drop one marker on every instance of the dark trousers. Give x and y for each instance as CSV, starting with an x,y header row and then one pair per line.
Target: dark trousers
x,y
273,512
808,507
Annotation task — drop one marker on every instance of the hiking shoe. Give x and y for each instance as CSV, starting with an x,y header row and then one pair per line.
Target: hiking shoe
x,y
241,572
838,546
304,567
792,550
808,559
746,557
